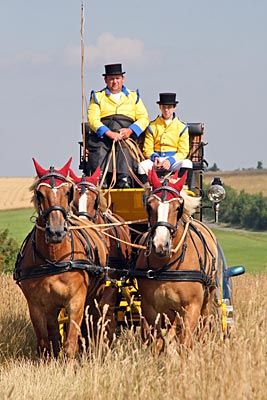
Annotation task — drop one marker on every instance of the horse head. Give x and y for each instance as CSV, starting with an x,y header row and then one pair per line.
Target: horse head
x,y
53,193
86,195
164,208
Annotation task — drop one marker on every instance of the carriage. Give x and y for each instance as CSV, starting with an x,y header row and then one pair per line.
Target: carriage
x,y
128,203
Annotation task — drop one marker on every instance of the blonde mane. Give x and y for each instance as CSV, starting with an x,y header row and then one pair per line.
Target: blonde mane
x,y
103,204
191,203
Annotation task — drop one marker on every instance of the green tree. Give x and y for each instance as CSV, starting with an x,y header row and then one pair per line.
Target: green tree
x,y
259,165
214,168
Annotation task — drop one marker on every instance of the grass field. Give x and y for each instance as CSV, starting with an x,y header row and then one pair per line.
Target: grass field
x,y
244,248
17,222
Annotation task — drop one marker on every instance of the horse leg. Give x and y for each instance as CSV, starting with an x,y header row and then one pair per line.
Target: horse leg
x,y
190,322
39,323
151,329
175,329
53,333
109,298
210,312
75,312
100,308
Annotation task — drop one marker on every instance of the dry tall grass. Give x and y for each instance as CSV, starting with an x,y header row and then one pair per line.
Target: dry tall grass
x,y
234,370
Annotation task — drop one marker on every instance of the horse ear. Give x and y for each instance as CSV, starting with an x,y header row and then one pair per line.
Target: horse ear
x,y
39,170
179,184
94,179
65,170
74,177
154,179
175,175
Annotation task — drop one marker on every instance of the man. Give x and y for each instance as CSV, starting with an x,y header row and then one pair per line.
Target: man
x,y
166,144
115,114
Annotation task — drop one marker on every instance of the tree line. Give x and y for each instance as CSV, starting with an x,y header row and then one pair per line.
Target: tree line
x,y
242,210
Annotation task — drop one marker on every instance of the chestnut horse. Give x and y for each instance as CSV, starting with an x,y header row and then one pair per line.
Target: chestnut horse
x,y
177,272
59,263
89,202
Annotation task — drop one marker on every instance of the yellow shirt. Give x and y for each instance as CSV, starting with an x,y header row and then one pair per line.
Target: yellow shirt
x,y
103,105
162,140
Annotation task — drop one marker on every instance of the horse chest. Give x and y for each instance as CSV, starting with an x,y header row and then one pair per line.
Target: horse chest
x,y
175,296
165,297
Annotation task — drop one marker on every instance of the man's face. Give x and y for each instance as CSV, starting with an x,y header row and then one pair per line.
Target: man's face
x,y
114,83
167,110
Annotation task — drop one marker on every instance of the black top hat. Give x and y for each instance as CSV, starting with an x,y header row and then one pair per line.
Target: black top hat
x,y
167,99
113,69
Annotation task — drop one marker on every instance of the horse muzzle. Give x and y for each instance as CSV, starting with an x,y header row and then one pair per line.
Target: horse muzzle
x,y
55,234
162,248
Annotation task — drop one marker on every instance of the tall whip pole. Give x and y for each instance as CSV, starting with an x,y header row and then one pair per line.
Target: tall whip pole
x,y
85,156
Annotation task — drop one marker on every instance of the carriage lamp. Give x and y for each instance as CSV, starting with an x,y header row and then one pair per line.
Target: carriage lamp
x,y
216,194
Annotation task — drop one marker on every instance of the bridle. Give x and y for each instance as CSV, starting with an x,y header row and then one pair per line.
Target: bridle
x,y
164,190
83,185
52,175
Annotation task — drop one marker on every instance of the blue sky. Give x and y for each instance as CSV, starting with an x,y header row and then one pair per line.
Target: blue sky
x,y
212,54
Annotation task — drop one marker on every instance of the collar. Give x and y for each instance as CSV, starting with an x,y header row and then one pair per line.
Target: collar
x,y
173,116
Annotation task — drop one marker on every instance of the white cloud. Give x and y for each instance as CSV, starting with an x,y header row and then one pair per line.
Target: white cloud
x,y
109,48
26,58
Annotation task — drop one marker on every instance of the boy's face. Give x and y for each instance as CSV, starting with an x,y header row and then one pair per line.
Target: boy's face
x,y
167,110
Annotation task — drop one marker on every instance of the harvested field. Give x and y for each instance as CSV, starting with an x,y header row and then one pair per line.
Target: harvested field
x,y
251,181
15,193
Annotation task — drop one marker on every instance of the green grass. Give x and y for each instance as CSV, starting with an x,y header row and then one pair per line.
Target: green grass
x,y
17,222
248,249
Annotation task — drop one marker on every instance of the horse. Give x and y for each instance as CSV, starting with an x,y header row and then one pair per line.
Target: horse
x,y
90,203
59,264
176,273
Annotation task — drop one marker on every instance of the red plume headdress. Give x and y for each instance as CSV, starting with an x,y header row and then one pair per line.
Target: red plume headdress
x,y
57,175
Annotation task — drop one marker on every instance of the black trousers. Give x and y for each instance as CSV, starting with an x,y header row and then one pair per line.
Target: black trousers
x,y
99,152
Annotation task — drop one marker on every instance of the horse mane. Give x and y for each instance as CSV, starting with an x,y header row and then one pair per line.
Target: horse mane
x,y
190,203
33,187
103,204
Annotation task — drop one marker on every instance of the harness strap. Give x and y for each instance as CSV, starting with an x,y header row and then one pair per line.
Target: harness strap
x,y
38,271
173,276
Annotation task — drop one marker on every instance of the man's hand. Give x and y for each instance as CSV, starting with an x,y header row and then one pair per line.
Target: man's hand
x,y
125,133
113,135
157,163
166,165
